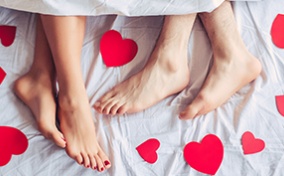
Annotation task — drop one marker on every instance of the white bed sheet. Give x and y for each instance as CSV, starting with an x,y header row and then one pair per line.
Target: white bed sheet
x,y
250,109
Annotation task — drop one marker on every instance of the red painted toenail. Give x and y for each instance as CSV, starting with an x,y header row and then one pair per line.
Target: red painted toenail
x,y
102,169
107,163
95,167
88,166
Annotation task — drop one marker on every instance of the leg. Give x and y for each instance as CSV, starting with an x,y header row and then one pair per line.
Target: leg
x,y
167,65
233,65
37,88
65,36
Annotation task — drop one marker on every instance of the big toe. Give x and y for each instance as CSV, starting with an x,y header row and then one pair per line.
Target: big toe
x,y
54,135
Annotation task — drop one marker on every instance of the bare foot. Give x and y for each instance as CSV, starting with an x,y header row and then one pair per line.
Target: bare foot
x,y
228,74
77,125
166,73
37,91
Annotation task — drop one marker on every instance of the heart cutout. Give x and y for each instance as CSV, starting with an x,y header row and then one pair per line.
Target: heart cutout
x,y
12,142
115,50
7,35
2,75
280,104
206,156
147,150
277,31
251,144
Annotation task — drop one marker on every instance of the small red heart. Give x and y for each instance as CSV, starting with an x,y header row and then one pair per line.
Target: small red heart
x,y
2,75
206,156
280,104
250,144
147,150
12,142
7,35
277,31
115,50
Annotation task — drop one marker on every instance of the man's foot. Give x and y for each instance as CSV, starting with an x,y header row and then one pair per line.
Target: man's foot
x,y
166,73
228,74
77,125
37,91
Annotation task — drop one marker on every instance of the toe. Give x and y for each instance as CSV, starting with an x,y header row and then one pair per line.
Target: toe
x,y
86,160
122,109
109,106
104,105
76,156
100,165
58,139
53,134
104,159
93,162
115,108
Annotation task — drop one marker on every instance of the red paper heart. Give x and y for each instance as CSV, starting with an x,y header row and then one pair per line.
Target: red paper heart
x,y
251,144
115,50
277,31
7,35
2,75
12,142
280,104
147,150
206,156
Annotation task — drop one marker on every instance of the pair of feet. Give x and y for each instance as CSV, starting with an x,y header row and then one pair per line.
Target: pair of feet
x,y
78,136
165,74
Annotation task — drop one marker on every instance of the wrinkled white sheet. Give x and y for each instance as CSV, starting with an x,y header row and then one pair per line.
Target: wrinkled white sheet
x,y
251,109
119,7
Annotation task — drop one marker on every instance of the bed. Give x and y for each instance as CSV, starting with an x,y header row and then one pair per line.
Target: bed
x,y
255,109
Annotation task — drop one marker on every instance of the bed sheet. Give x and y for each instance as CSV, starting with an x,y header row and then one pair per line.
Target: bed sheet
x,y
253,108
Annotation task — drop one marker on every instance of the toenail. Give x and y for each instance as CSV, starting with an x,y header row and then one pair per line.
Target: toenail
x,y
106,162
102,169
95,167
88,166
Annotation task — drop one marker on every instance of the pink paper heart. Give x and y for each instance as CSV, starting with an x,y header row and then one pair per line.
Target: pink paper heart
x,y
206,156
280,104
7,35
115,50
12,142
147,150
2,75
277,31
251,144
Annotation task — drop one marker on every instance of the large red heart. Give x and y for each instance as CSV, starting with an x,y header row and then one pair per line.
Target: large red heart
x,y
277,31
2,75
250,144
206,156
280,104
115,50
12,142
7,35
147,150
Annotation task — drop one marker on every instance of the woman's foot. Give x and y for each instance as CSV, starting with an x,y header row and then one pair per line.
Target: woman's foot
x,y
166,73
229,73
37,91
77,125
